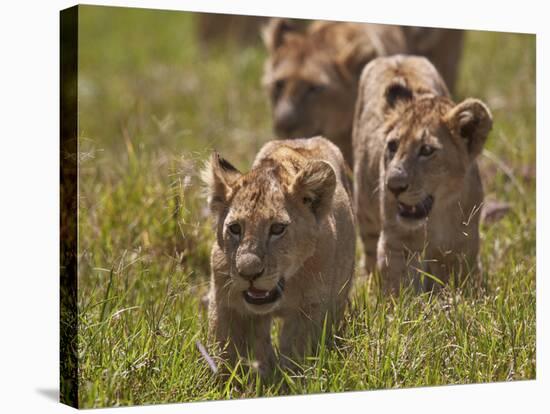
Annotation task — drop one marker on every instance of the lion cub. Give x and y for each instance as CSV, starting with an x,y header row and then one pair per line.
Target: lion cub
x,y
312,75
417,187
285,248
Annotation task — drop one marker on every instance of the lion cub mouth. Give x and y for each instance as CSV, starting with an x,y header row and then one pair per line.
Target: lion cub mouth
x,y
263,297
416,212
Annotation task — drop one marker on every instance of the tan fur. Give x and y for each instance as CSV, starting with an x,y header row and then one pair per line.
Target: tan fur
x,y
403,99
442,47
303,183
312,75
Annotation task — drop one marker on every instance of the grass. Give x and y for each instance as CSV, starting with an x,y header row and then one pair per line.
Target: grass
x,y
151,106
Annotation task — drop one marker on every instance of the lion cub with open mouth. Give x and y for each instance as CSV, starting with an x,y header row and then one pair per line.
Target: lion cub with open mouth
x,y
285,248
417,189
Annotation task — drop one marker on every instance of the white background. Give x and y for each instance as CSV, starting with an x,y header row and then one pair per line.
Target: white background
x,y
29,188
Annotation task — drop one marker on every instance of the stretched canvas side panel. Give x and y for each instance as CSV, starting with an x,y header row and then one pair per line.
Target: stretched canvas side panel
x,y
68,207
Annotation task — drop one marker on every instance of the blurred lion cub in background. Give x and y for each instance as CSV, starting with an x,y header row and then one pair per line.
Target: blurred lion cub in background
x,y
312,75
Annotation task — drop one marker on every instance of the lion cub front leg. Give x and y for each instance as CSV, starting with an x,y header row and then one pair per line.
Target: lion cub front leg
x,y
367,211
298,333
243,336
301,332
398,264
370,233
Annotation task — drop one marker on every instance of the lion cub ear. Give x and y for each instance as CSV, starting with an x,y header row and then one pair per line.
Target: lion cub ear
x,y
315,185
274,32
353,58
219,175
397,92
472,121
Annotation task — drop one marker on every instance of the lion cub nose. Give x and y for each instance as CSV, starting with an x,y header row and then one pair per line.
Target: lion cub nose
x,y
286,119
397,182
249,266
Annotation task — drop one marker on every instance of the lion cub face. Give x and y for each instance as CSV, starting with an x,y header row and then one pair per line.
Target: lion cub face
x,y
312,76
267,225
430,144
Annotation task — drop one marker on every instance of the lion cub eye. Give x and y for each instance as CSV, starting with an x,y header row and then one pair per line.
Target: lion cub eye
x,y
235,229
392,146
314,88
426,150
277,229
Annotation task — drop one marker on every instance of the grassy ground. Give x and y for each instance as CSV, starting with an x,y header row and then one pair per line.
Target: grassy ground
x,y
151,105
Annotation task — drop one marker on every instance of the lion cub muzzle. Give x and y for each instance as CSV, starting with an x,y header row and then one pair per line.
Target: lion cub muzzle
x,y
410,208
249,266
261,297
286,117
398,181
418,211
